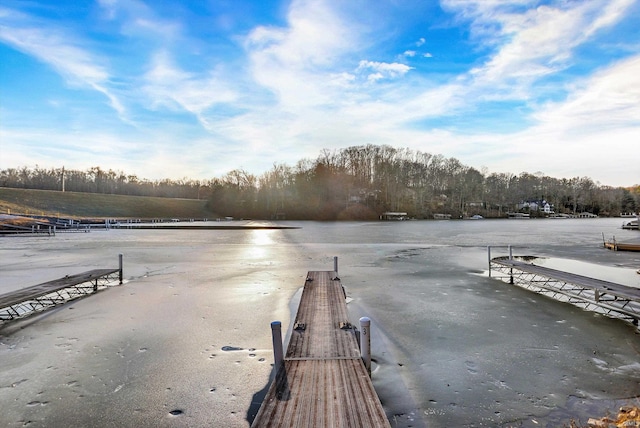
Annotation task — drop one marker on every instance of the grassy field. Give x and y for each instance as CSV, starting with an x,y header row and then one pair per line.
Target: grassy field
x,y
91,205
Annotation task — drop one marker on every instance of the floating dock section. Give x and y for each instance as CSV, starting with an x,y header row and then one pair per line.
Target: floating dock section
x,y
621,246
37,298
324,378
609,298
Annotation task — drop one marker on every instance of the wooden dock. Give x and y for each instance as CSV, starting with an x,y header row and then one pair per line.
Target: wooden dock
x,y
27,301
322,381
621,246
608,298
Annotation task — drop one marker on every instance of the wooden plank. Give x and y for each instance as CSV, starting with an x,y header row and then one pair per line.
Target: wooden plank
x,y
322,393
322,308
35,291
323,381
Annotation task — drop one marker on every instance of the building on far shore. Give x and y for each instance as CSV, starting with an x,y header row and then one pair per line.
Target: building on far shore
x,y
389,215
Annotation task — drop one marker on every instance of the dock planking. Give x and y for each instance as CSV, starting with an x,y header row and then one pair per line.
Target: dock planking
x,y
323,381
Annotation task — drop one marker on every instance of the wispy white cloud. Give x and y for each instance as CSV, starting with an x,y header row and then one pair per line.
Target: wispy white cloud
x,y
608,98
296,62
534,43
60,50
138,20
168,86
382,70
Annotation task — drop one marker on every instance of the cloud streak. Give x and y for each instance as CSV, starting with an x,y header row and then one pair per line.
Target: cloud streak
x,y
54,47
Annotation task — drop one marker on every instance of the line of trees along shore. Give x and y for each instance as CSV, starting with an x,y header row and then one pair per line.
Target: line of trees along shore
x,y
358,182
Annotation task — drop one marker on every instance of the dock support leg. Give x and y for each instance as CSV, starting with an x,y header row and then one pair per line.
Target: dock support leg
x,y
335,264
120,267
511,269
278,354
489,258
365,342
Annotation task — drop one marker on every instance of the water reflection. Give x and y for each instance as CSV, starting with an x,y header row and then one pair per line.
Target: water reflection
x,y
259,245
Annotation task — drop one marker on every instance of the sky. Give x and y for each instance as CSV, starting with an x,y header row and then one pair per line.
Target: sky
x,y
195,89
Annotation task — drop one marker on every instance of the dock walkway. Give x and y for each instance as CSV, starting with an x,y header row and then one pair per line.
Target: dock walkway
x,y
26,301
322,381
605,297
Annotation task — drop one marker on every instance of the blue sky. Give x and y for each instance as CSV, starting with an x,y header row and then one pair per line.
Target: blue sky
x,y
174,89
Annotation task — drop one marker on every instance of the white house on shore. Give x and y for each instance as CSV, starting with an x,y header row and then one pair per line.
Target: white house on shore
x,y
542,205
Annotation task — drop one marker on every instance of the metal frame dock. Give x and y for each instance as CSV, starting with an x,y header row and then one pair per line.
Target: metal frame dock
x,y
608,298
37,298
322,381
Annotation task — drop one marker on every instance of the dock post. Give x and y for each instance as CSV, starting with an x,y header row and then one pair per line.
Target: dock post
x,y
120,267
278,354
365,342
510,269
335,264
489,258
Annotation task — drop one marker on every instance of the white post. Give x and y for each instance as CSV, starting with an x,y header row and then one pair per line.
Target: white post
x,y
335,264
120,266
365,342
510,253
278,354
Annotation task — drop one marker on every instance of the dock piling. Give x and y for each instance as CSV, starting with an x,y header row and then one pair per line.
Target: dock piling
x,y
335,264
510,270
365,342
278,354
120,267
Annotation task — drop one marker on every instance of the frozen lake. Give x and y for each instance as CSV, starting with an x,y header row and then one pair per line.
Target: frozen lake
x,y
186,341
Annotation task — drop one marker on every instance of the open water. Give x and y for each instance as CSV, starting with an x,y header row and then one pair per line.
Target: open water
x,y
186,341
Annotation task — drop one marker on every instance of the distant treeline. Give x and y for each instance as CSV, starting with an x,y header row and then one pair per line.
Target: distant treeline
x,y
359,182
